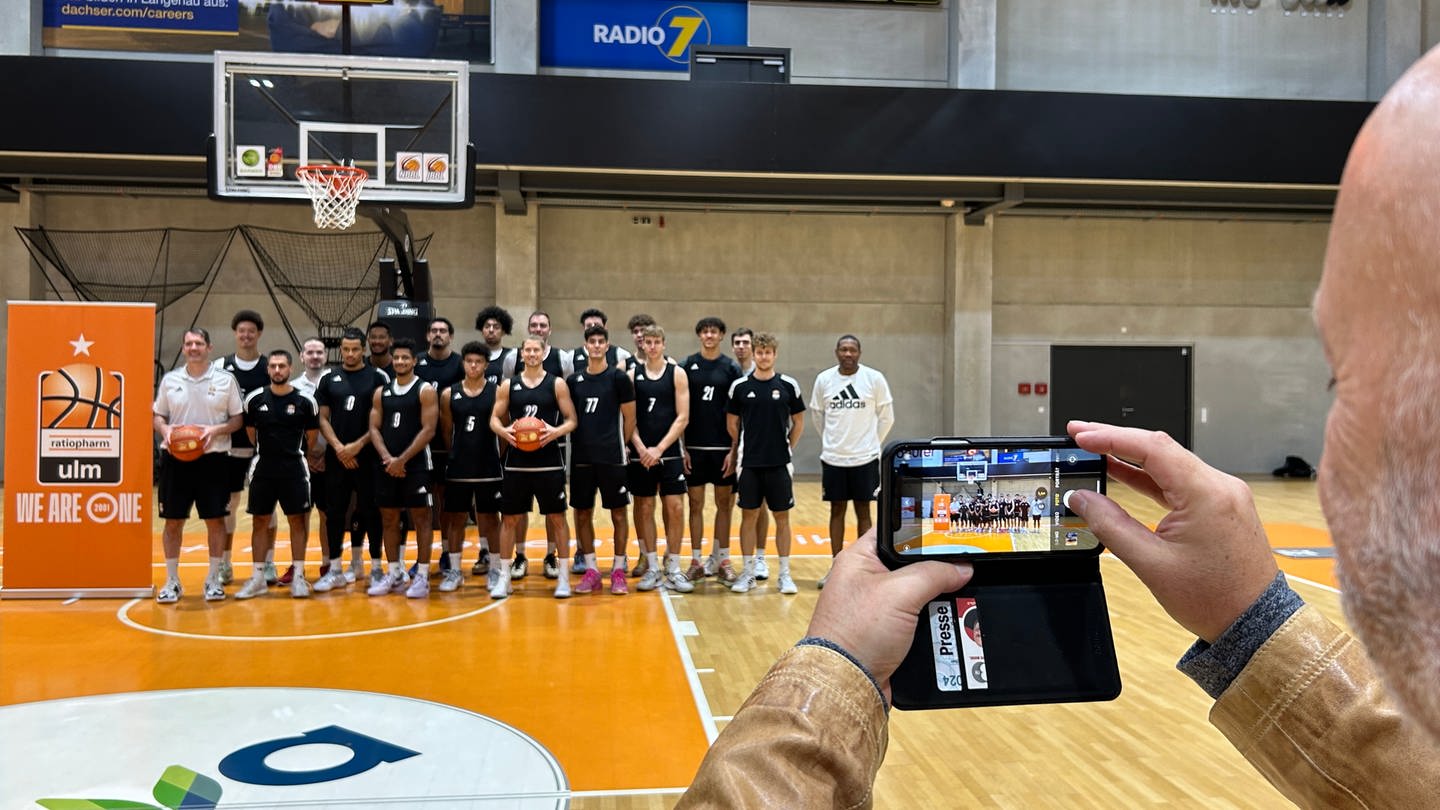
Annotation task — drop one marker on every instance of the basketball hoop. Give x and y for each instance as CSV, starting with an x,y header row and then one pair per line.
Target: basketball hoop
x,y
334,191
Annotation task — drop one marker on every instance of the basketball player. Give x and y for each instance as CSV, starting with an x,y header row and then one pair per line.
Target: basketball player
x,y
249,371
707,449
560,364
662,409
473,470
853,412
636,325
740,343
537,475
197,393
494,324
439,367
280,420
345,397
377,338
615,355
605,403
403,417
312,360
768,410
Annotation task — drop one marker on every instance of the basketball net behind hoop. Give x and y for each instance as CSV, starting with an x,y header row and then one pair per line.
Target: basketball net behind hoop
x,y
334,192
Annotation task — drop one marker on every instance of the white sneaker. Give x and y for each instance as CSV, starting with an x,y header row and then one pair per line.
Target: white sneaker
x,y
787,584
499,583
519,567
252,588
419,588
762,571
562,588
385,584
354,572
300,587
746,581
227,573
711,565
676,580
334,580
452,580
214,591
650,581
169,593
271,575
377,574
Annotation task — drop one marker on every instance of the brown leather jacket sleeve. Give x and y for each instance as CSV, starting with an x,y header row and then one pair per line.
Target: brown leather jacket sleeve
x,y
1311,715
812,734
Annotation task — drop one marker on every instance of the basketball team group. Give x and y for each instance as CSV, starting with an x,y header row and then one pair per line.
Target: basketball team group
x,y
401,438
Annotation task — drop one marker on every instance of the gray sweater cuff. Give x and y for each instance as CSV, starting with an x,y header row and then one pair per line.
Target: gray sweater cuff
x,y
1215,666
817,641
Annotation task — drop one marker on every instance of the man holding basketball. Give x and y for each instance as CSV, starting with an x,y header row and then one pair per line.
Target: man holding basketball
x,y
196,394
403,417
537,473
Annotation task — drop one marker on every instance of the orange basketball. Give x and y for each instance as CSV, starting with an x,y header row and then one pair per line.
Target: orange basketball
x,y
185,442
80,395
528,431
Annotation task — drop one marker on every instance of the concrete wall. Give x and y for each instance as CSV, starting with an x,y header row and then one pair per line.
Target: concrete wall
x,y
857,43
1238,292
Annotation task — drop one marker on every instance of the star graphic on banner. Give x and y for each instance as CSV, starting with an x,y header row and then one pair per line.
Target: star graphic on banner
x,y
82,346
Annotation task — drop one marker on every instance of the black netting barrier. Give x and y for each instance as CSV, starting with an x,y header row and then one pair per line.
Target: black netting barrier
x,y
158,265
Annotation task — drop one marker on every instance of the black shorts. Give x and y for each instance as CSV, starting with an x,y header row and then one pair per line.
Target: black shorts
x,y
318,497
236,472
482,496
849,483
666,478
410,492
705,466
291,492
521,490
768,485
202,483
608,479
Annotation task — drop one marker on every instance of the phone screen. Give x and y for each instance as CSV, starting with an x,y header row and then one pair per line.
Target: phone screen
x,y
944,499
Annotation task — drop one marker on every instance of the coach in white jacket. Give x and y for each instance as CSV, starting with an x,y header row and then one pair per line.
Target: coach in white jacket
x,y
852,410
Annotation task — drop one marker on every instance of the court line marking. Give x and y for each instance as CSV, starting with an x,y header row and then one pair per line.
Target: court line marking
x,y
702,704
589,794
1322,586
123,614
725,718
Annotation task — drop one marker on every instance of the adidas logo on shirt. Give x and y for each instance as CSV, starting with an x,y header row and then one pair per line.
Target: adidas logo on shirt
x,y
264,408
847,398
751,395
694,366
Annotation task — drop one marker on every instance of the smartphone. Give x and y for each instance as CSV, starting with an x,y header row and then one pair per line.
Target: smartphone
x,y
963,498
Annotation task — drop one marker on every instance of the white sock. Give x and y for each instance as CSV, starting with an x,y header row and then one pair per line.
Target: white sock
x,y
396,569
695,550
621,564
214,568
259,575
226,556
454,560
784,565
590,561
725,553
564,561
299,568
357,557
650,557
744,563
270,556
172,568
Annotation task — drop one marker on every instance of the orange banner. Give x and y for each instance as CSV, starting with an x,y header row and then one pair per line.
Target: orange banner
x,y
78,445
940,512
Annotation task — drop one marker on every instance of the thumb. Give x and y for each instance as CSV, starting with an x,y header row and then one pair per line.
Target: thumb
x,y
914,585
1130,539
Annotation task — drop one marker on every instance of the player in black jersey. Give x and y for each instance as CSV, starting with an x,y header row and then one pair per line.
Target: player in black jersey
x,y
345,396
636,325
662,409
615,355
403,418
740,344
707,449
537,475
472,476
248,367
494,324
561,364
766,419
280,420
379,340
604,400
439,367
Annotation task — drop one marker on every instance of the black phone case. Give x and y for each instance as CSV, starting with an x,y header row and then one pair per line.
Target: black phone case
x,y
1045,632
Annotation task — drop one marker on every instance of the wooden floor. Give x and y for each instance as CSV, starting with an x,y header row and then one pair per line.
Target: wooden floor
x,y
625,692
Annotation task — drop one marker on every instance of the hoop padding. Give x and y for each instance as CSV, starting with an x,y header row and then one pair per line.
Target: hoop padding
x,y
334,192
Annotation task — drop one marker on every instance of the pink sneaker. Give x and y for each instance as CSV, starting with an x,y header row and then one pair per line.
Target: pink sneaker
x,y
617,582
590,582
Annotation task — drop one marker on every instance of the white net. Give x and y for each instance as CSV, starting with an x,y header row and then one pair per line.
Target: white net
x,y
334,192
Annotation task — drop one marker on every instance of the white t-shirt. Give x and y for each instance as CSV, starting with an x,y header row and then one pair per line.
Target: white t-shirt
x,y
210,399
854,414
303,384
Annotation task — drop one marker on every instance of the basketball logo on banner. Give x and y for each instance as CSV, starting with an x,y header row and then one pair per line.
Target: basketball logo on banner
x,y
81,430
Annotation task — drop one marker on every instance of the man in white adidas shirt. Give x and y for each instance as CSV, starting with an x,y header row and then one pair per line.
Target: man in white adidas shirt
x,y
852,408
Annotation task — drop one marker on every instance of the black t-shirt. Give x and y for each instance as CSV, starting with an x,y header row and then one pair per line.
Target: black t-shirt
x,y
710,382
495,369
440,374
474,447
348,397
280,422
541,402
765,408
251,379
400,421
597,399
655,410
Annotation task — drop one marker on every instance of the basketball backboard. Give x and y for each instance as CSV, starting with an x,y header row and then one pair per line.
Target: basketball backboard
x,y
405,121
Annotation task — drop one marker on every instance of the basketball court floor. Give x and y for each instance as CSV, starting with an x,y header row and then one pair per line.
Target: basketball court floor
x,y
600,701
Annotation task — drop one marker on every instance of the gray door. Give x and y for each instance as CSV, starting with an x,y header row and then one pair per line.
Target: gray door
x,y
1134,386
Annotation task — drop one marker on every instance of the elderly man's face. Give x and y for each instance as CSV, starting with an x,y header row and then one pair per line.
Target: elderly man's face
x,y
1378,311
